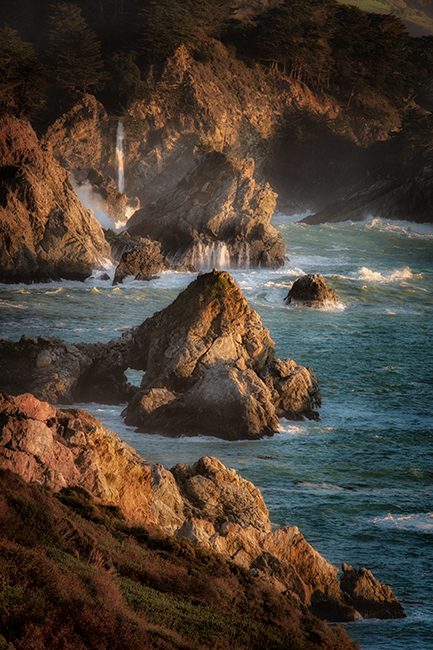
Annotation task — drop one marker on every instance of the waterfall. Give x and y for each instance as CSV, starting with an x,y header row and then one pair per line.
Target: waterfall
x,y
119,157
219,255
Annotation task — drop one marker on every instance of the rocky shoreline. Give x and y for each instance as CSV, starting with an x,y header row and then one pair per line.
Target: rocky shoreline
x,y
207,503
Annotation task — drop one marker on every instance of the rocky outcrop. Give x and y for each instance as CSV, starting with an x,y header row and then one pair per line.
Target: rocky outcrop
x,y
399,188
61,448
209,351
209,369
45,232
311,291
207,502
217,215
139,257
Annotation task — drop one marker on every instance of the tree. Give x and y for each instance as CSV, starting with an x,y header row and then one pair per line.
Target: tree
x,y
74,51
22,75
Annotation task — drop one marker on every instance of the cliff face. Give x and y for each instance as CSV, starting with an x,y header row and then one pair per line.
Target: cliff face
x,y
208,503
45,232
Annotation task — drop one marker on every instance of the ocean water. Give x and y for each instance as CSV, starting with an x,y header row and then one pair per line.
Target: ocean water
x,y
359,483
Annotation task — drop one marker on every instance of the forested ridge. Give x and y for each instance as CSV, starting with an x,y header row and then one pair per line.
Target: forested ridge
x,y
107,47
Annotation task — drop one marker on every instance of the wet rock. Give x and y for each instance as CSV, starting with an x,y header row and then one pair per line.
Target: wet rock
x,y
217,215
45,232
311,291
210,350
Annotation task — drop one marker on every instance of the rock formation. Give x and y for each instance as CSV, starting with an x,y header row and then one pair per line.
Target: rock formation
x,y
215,361
208,361
139,257
63,448
45,232
218,205
311,291
208,503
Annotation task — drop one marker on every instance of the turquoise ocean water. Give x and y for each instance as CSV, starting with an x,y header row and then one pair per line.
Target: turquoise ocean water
x,y
359,484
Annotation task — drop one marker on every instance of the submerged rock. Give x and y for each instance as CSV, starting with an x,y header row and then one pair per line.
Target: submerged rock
x,y
311,291
207,502
45,232
216,215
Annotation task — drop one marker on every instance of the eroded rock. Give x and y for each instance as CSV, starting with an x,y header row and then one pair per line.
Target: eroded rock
x,y
45,232
311,291
217,214
207,502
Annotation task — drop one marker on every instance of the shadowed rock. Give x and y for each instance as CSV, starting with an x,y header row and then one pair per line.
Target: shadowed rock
x,y
219,204
45,232
311,291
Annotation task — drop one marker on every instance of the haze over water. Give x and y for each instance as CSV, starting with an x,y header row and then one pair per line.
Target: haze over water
x,y
359,484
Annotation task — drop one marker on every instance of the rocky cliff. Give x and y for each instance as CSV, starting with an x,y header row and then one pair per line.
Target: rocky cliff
x,y
218,214
45,232
208,503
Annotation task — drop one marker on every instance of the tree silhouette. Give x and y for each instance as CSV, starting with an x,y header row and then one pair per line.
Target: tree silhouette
x,y
22,75
74,51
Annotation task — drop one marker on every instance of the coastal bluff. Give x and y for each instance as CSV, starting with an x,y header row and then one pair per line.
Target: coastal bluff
x,y
207,503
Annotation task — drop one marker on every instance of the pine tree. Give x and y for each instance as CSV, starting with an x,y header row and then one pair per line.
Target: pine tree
x,y
22,75
74,51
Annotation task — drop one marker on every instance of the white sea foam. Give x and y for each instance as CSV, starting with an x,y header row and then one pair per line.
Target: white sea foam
x,y
397,275
410,228
422,523
51,293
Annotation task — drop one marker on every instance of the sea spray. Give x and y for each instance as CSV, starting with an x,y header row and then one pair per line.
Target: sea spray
x,y
120,157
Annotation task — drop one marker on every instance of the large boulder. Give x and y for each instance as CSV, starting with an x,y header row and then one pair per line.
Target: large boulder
x,y
45,232
218,214
208,362
311,291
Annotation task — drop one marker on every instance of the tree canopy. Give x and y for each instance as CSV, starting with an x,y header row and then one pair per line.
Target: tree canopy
x,y
22,75
74,51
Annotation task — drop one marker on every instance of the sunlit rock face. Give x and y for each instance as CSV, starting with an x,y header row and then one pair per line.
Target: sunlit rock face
x,y
209,369
206,502
217,214
61,448
45,231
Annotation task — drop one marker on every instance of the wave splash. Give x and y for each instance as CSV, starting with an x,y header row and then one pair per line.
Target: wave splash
x,y
397,275
421,523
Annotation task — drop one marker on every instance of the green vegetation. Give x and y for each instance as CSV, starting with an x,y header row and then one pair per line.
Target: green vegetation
x,y
75,576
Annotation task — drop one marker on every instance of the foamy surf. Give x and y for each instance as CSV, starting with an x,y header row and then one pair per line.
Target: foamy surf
x,y
420,523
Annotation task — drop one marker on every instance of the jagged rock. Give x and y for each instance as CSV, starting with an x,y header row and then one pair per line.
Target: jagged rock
x,y
208,361
49,368
70,447
219,204
217,494
311,291
295,389
45,232
140,257
370,597
206,502
211,352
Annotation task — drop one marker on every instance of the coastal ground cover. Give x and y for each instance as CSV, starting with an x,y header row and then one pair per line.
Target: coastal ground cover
x,y
75,575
